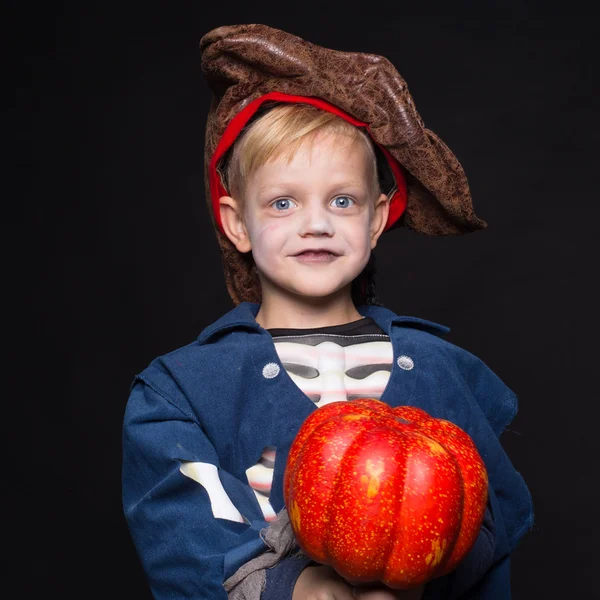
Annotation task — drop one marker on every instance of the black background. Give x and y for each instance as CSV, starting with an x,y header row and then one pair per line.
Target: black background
x,y
112,255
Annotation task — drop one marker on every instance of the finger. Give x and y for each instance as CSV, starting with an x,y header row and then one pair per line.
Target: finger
x,y
375,595
385,593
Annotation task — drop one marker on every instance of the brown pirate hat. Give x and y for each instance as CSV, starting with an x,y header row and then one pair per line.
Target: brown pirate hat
x,y
253,65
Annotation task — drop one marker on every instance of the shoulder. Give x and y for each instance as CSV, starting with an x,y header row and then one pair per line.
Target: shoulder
x,y
424,335
428,335
449,365
222,344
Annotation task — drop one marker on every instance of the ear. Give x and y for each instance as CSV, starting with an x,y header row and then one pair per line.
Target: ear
x,y
379,218
233,223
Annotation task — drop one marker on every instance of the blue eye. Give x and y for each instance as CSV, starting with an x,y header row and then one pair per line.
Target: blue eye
x,y
343,201
282,204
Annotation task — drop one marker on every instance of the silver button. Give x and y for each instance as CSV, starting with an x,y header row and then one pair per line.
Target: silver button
x,y
270,370
405,362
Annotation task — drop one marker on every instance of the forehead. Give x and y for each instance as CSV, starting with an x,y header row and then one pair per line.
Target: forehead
x,y
323,142
329,154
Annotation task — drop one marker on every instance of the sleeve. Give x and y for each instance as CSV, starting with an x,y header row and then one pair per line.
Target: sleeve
x,y
281,579
184,512
494,408
468,393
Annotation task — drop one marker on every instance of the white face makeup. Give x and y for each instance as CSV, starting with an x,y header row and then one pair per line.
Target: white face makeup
x,y
311,224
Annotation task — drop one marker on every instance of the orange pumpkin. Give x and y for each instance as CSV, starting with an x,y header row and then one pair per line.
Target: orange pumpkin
x,y
384,494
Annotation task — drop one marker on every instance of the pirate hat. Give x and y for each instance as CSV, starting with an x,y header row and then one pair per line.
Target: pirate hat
x,y
249,67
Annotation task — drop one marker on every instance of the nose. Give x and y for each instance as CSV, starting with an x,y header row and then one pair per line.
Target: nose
x,y
315,220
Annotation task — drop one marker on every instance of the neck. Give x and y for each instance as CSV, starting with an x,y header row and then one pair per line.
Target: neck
x,y
287,312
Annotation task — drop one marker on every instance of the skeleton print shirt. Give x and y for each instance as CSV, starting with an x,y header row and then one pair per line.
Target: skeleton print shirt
x,y
329,364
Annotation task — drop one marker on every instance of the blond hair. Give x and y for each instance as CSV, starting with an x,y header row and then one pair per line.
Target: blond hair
x,y
280,132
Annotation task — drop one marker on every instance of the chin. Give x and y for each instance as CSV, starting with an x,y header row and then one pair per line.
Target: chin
x,y
316,291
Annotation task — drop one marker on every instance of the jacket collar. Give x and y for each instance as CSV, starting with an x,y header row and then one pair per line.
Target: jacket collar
x,y
243,317
385,318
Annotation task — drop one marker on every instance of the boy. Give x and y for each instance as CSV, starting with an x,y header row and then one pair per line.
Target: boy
x,y
294,183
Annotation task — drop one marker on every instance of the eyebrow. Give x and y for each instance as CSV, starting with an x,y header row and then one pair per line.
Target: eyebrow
x,y
270,187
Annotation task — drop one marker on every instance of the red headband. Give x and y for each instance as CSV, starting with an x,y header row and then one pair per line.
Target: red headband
x,y
397,201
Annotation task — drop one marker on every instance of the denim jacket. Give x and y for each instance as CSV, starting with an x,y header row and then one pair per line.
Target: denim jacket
x,y
222,399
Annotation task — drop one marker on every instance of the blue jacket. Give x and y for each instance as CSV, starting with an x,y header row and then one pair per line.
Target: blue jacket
x,y
214,402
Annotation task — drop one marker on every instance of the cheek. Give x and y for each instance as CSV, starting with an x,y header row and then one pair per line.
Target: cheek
x,y
356,236
268,229
267,239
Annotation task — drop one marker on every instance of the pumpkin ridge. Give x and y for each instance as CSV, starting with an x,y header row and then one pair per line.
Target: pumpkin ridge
x,y
451,452
455,439
398,531
350,460
397,520
443,552
440,570
335,427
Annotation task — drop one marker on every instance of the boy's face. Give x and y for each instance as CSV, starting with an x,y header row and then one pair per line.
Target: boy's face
x,y
310,224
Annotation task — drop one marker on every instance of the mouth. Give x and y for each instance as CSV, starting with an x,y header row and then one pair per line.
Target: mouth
x,y
316,255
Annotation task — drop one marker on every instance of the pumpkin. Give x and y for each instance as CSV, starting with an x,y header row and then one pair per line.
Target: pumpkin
x,y
384,494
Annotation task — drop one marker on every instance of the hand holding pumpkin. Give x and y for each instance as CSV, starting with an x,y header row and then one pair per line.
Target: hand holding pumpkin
x,y
317,582
386,593
384,494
